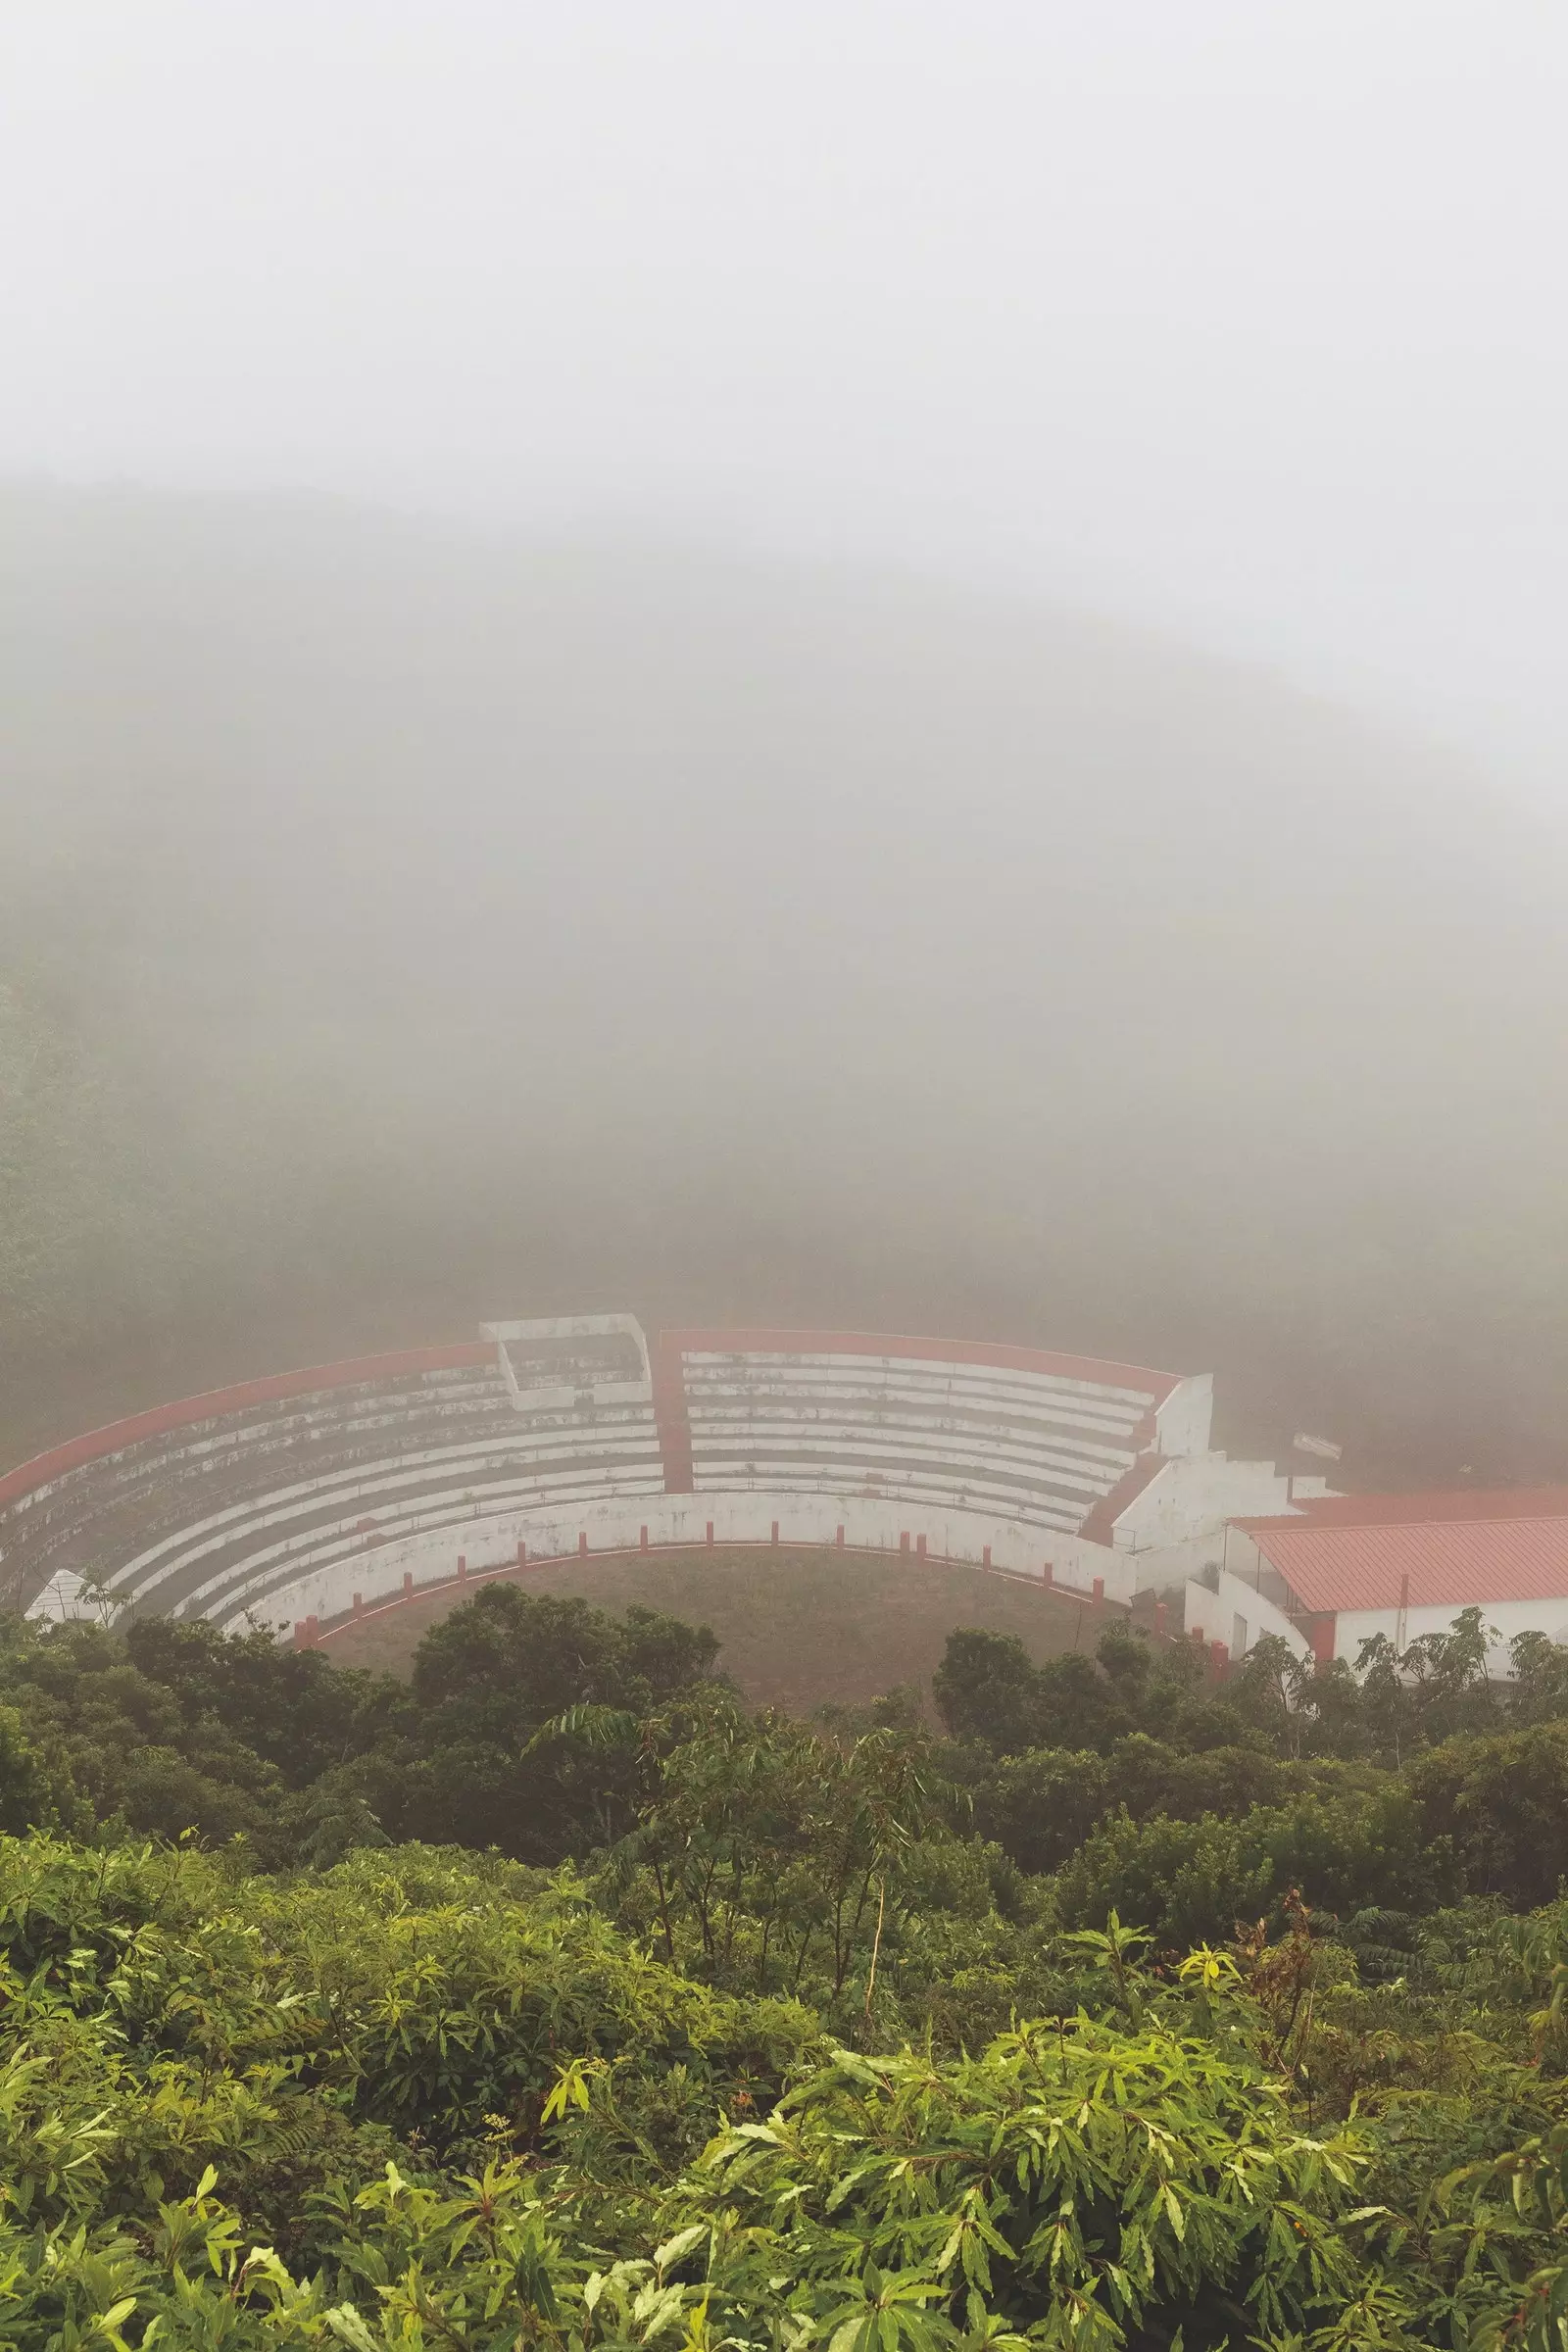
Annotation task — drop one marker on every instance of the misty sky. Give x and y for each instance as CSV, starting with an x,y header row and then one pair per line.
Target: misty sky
x,y
1243,317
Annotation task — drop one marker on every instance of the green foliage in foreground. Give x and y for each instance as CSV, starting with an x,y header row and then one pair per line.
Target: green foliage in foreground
x,y
745,2032
428,2099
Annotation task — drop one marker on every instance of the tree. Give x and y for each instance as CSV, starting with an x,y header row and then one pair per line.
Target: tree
x,y
1539,1679
518,1659
1503,1801
30,1798
987,1688
291,1707
1273,1687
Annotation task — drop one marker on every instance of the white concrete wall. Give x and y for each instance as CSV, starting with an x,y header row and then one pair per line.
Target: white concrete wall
x,y
1214,1611
492,1541
1185,1421
1352,1627
548,1512
1192,1497
1167,1564
574,1327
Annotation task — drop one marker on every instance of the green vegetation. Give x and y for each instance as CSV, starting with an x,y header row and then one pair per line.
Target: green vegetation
x,y
557,1998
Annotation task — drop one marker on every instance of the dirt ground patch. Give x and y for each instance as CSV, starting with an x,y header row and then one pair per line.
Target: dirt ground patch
x,y
798,1628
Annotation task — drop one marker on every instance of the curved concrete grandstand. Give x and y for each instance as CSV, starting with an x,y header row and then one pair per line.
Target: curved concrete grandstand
x,y
310,1495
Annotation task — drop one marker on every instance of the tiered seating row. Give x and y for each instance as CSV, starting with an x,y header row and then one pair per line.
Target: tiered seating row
x,y
130,1499
211,1506
231,1595
372,1498
1043,1448
208,1507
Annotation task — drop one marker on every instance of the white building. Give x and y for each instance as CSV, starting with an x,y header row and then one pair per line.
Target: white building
x,y
1342,1568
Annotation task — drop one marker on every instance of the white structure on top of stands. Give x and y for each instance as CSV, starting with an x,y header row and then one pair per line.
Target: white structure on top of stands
x,y
298,1497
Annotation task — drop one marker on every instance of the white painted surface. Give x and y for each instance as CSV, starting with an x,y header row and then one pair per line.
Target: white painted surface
x,y
452,1507
67,1598
1352,1626
1193,1496
1038,1448
344,1412
556,1330
1214,1610
970,1456
491,1540
372,1489
1184,1421
573,1327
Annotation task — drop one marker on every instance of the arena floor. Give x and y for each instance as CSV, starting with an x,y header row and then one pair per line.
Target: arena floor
x,y
797,1627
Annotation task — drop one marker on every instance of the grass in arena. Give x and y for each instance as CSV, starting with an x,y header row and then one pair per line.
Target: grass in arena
x,y
799,1626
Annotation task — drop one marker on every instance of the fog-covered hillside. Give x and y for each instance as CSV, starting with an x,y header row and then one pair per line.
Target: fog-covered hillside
x,y
398,927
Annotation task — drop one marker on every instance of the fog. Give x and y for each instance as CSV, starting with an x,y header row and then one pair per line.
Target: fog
x,y
1239,321
873,666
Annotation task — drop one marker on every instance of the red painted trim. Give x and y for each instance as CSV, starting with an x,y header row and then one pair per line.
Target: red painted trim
x,y
215,1402
1426,1510
511,1568
665,1365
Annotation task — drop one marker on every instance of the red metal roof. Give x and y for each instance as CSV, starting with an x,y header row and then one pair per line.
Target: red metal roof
x,y
1450,1561
1413,1510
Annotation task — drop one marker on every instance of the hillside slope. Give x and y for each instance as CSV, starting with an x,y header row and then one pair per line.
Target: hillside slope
x,y
444,925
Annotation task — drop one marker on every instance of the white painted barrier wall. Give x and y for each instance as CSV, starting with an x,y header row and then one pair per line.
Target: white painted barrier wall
x,y
1352,1627
1184,1421
1188,1500
1214,1612
491,1542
